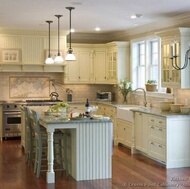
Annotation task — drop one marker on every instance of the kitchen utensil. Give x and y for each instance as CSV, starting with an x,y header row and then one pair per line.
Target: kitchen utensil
x,y
54,96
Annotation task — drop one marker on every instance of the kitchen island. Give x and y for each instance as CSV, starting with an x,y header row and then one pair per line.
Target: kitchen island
x,y
90,146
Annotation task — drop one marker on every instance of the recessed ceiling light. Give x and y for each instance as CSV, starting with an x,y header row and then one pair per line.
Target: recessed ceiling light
x,y
136,16
97,29
76,3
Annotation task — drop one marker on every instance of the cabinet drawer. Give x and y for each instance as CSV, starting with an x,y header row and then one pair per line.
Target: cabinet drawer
x,y
157,150
159,121
157,134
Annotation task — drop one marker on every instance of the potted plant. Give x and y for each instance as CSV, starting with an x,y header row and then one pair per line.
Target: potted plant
x,y
151,85
124,87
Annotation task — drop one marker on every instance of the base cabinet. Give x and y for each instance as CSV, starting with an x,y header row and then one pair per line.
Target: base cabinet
x,y
157,137
141,132
166,138
124,132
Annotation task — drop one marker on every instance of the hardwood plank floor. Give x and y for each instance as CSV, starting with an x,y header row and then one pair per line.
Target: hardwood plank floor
x,y
129,171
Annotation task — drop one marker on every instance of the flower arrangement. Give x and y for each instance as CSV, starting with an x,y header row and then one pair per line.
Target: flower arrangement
x,y
124,87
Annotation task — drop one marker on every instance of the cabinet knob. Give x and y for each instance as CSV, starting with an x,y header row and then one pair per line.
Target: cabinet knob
x,y
160,146
152,143
160,129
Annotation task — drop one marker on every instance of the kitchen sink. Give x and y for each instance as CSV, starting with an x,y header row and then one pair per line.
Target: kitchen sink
x,y
125,112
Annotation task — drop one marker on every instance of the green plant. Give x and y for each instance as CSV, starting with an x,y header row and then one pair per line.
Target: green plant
x,y
124,87
151,82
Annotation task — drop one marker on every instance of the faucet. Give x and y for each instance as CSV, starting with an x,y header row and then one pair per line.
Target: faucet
x,y
145,102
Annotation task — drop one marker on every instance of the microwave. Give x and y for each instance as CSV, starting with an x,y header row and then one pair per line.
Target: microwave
x,y
105,96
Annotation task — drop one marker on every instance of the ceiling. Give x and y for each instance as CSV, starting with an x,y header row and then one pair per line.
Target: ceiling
x,y
109,15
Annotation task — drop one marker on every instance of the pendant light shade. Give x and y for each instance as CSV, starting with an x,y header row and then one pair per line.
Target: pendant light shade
x,y
49,60
58,58
70,56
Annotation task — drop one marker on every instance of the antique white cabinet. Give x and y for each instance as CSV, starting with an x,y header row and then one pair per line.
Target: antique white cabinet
x,y
79,71
100,67
124,132
170,76
117,61
141,132
157,137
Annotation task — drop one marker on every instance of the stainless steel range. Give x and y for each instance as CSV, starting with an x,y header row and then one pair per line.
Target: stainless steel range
x,y
11,113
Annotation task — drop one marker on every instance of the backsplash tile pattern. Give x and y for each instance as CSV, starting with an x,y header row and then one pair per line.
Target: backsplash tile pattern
x,y
82,91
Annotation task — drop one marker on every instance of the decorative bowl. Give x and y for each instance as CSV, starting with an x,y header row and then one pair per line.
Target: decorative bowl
x,y
165,105
185,109
175,108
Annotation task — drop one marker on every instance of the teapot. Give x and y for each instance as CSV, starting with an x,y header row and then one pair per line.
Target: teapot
x,y
54,96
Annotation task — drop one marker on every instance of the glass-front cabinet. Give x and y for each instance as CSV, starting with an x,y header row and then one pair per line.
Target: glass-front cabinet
x,y
172,77
112,66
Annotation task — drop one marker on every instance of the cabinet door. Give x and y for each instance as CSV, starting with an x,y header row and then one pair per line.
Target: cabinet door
x,y
170,76
124,132
84,67
100,67
141,133
78,71
72,70
112,67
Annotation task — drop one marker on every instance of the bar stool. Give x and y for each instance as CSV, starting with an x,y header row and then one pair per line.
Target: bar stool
x,y
60,146
29,136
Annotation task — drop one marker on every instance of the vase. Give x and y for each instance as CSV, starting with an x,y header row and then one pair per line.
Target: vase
x,y
125,99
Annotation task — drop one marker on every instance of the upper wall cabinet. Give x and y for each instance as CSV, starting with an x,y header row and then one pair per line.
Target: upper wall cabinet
x,y
100,66
27,51
80,71
117,61
170,76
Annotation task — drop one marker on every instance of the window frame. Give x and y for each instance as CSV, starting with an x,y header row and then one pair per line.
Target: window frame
x,y
134,46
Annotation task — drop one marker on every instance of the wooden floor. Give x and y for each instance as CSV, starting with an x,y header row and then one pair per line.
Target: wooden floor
x,y
129,171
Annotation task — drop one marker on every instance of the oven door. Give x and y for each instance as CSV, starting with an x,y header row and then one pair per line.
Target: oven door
x,y
11,123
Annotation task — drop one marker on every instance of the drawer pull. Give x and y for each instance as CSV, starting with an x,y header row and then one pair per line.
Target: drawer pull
x,y
152,127
160,129
152,120
160,146
152,143
160,121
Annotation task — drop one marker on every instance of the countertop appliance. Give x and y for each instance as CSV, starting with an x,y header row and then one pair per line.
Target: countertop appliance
x,y
105,96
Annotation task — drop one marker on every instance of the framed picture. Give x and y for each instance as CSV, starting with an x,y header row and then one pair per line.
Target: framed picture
x,y
53,53
10,55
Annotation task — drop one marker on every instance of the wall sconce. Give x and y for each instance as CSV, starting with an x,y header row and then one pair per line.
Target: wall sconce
x,y
175,56
58,58
70,56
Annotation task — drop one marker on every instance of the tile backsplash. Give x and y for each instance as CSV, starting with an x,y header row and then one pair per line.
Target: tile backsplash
x,y
83,91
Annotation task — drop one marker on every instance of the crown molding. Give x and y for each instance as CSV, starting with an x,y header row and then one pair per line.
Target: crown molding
x,y
182,20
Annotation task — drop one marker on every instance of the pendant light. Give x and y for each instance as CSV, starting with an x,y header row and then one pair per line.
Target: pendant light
x,y
70,56
49,60
58,58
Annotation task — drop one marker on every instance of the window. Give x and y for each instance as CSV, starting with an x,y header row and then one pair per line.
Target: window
x,y
146,62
